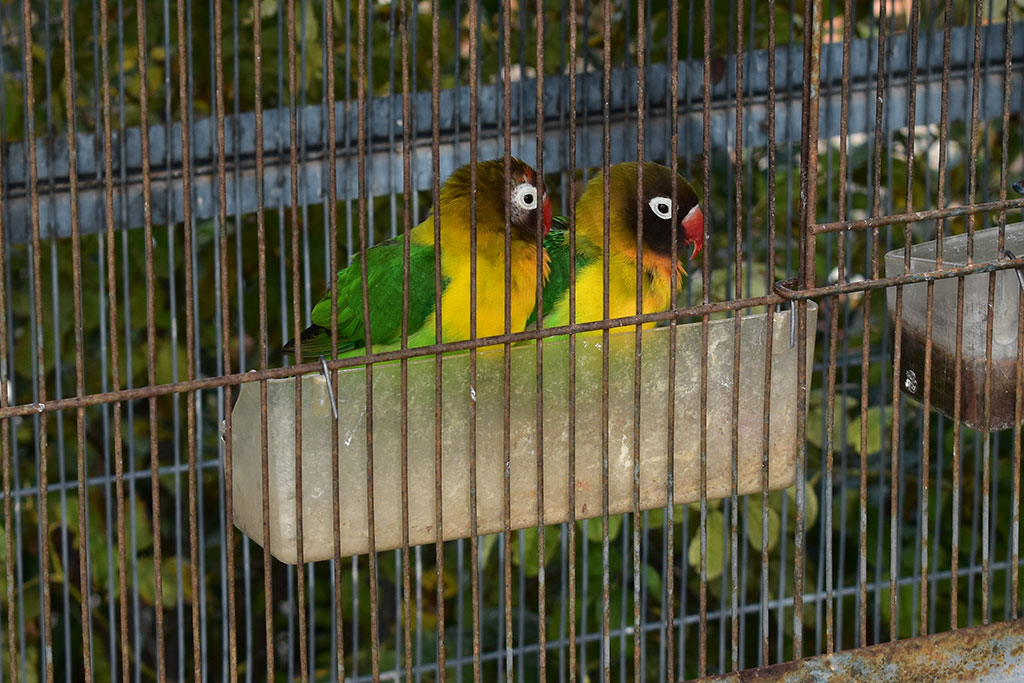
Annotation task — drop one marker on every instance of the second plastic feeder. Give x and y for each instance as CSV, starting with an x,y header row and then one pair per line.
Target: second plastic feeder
x,y
944,324
317,494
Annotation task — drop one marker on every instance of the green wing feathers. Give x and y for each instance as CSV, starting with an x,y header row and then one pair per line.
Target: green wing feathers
x,y
557,245
384,265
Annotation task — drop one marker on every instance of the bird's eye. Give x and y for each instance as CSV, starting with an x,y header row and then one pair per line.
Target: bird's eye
x,y
525,196
662,207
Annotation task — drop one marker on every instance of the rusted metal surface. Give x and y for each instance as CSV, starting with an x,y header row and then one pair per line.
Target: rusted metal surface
x,y
151,339
115,369
947,24
786,288
332,259
407,597
42,456
156,389
293,159
897,83
435,141
993,652
670,411
6,457
972,209
76,286
1003,182
734,503
542,606
184,98
571,455
364,245
261,241
606,160
702,633
229,531
506,445
473,158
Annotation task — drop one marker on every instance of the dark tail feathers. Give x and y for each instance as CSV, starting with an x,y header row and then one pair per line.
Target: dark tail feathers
x,y
309,334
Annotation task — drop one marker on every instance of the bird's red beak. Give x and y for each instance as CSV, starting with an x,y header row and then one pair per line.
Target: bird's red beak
x,y
693,228
547,215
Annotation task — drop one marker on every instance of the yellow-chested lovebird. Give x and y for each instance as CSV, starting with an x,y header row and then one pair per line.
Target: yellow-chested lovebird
x,y
528,205
659,207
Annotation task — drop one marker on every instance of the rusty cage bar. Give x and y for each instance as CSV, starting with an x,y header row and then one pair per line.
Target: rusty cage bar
x,y
179,182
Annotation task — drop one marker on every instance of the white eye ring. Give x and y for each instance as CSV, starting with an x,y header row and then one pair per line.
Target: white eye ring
x,y
525,196
662,207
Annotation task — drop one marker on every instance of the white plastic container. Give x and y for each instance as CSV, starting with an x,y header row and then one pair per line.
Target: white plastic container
x,y
316,430
972,365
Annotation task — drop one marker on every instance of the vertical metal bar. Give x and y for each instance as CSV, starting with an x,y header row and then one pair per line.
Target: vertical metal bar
x,y
268,610
972,550
889,204
897,355
287,98
435,157
115,368
473,511
229,538
972,195
113,639
364,243
769,340
76,283
571,524
55,316
506,29
865,367
702,666
40,373
8,447
623,594
473,521
808,276
670,437
539,305
406,228
140,10
247,573
6,390
296,333
834,332
521,625
190,397
940,229
641,49
606,6
809,171
418,553
220,321
332,220
311,634
1013,570
198,567
737,322
172,289
972,178
915,11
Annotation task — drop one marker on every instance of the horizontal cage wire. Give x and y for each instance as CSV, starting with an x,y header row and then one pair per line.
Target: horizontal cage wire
x,y
181,182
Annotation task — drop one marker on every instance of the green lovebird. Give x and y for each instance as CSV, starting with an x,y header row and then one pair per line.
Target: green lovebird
x,y
529,206
658,226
